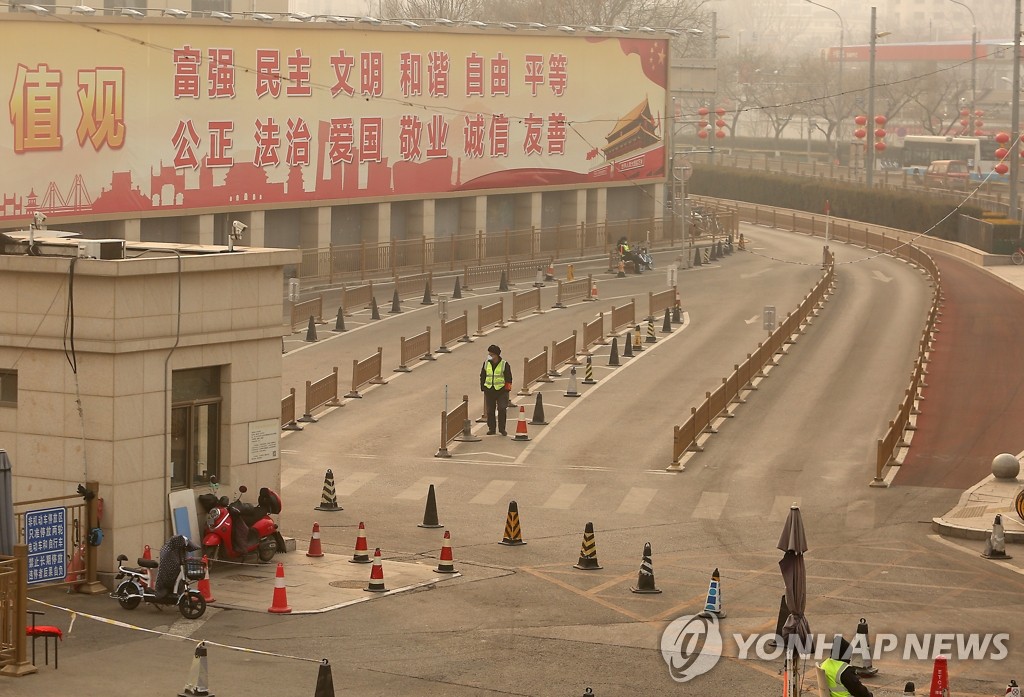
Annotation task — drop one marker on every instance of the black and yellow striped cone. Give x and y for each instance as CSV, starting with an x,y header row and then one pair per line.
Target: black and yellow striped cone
x,y
513,534
588,551
651,338
329,499
645,579
589,372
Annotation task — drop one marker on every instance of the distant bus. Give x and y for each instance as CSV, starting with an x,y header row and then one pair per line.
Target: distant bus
x,y
978,153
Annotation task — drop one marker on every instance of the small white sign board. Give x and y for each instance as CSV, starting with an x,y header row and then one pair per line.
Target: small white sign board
x,y
769,318
264,440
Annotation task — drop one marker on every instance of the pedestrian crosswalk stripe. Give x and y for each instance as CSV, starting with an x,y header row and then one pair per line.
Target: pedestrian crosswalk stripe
x,y
564,496
493,492
349,485
637,500
418,490
780,509
860,514
710,505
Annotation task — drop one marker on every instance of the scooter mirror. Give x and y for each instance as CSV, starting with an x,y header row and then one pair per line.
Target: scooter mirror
x,y
242,489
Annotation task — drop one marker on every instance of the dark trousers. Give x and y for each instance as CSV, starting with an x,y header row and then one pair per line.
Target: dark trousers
x,y
495,400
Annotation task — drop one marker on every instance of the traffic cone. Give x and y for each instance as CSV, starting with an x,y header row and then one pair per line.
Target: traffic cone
x,y
198,682
622,269
696,258
503,283
995,545
376,584
361,555
314,543
539,281
666,326
396,304
204,584
521,426
593,290
549,275
311,330
742,243
613,355
627,351
446,562
339,323
589,374
426,294
908,689
430,511
645,579
280,604
714,252
324,680
467,433
940,678
328,498
1012,690
588,550
147,553
651,338
860,651
457,293
374,310
713,605
637,346
677,314
513,533
538,412
571,390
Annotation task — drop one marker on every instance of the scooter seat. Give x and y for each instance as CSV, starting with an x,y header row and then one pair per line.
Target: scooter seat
x,y
148,563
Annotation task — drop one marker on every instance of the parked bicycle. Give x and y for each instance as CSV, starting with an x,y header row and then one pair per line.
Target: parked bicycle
x,y
1018,256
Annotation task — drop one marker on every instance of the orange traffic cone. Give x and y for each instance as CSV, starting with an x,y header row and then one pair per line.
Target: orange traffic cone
x,y
940,678
593,290
521,427
204,585
361,555
376,584
314,543
446,564
147,553
280,604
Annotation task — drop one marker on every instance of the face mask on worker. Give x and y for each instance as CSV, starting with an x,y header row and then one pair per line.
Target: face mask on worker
x,y
490,357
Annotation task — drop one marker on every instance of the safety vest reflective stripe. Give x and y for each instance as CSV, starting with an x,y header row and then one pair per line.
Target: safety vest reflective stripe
x,y
494,375
833,669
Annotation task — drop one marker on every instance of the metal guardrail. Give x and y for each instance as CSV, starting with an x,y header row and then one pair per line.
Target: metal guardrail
x,y
302,311
366,372
562,353
415,347
574,290
623,316
451,425
455,329
525,301
534,370
357,295
593,334
288,420
659,302
323,392
13,606
492,315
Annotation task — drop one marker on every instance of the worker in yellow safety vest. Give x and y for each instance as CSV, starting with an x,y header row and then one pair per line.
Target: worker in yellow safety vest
x,y
495,383
842,680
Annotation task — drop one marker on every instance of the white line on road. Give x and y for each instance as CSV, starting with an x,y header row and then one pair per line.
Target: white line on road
x,y
636,500
879,276
418,491
493,492
710,505
754,274
348,485
752,319
565,495
290,475
860,514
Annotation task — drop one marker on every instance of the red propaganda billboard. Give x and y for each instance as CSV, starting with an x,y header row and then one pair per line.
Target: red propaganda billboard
x,y
115,117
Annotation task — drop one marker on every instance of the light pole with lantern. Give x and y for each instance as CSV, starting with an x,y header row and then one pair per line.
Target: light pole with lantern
x,y
869,154
842,58
974,53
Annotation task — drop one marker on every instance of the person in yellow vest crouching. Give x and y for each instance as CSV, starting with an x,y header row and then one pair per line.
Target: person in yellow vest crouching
x,y
495,383
841,679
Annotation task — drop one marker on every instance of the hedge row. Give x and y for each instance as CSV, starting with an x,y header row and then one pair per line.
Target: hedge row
x,y
896,209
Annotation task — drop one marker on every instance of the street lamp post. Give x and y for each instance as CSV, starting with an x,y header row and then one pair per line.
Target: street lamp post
x,y
974,53
842,57
869,155
1015,115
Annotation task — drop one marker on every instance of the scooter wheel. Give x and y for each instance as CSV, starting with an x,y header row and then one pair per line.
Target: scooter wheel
x,y
267,549
129,595
192,605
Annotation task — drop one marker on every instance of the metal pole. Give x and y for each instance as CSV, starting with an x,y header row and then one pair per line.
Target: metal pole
x,y
974,54
842,59
869,153
1015,115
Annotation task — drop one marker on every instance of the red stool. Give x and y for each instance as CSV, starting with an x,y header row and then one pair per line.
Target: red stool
x,y
46,632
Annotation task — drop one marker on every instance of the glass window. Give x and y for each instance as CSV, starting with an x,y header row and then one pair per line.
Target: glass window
x,y
195,383
195,426
8,388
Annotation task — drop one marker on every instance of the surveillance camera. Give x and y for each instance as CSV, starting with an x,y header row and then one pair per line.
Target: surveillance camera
x,y
38,219
238,227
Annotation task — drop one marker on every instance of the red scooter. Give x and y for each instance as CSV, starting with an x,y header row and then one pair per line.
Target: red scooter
x,y
235,529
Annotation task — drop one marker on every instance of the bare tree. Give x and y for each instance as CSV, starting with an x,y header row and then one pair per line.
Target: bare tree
x,y
431,9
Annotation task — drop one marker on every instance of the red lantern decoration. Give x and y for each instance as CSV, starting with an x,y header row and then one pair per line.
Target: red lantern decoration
x,y
702,134
861,120
1001,153
979,112
881,120
702,124
1001,168
720,111
964,122
979,132
965,111
703,111
879,146
879,133
859,133
719,134
978,124
1002,138
720,123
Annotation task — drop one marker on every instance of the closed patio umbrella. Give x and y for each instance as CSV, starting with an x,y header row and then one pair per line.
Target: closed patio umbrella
x,y
8,535
793,543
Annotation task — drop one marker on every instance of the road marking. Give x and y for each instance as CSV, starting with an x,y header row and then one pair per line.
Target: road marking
x,y
418,491
290,475
780,509
879,276
860,514
752,319
493,492
710,505
348,485
565,495
184,627
755,273
636,500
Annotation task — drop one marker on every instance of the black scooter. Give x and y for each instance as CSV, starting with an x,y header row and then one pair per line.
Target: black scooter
x,y
134,589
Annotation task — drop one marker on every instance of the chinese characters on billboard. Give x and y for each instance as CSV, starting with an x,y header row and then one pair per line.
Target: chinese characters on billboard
x,y
143,118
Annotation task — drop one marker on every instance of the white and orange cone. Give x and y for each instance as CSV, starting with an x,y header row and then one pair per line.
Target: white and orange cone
x,y
204,585
361,555
376,584
521,426
147,553
314,543
593,290
280,604
446,563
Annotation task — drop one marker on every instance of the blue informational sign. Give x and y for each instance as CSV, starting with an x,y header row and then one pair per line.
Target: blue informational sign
x,y
46,537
